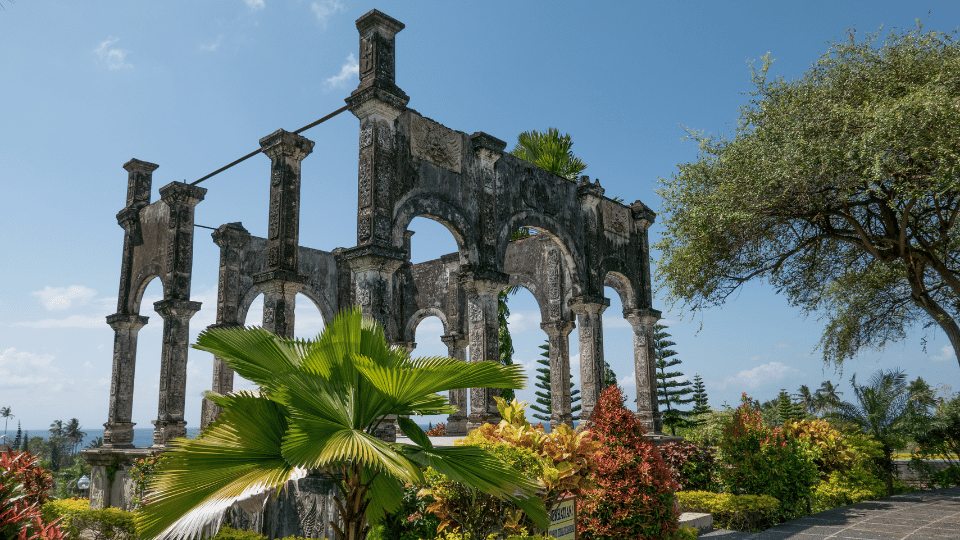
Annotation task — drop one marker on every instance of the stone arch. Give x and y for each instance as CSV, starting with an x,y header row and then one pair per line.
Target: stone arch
x,y
624,287
246,300
327,311
143,279
529,284
435,208
410,328
572,255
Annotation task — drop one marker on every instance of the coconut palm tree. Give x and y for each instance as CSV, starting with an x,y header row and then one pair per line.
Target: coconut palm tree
x,y
826,397
883,411
806,399
5,414
73,434
317,409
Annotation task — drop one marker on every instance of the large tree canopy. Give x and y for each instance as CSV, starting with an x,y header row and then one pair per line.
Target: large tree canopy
x,y
839,188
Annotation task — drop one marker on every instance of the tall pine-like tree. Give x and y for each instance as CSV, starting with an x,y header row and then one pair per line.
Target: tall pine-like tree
x,y
543,403
787,409
700,405
671,393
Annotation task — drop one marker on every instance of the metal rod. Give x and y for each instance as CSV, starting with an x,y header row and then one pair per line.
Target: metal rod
x,y
255,152
205,227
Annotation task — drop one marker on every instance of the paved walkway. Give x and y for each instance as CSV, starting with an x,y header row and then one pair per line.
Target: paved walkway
x,y
922,515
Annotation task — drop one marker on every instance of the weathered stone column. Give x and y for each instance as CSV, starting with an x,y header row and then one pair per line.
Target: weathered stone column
x,y
173,369
281,282
231,238
118,430
645,365
481,293
457,348
590,322
560,406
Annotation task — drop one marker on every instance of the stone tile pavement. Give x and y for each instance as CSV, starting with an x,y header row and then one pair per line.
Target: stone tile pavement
x,y
923,515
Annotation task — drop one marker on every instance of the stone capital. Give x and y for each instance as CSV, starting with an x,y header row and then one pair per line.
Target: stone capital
x,y
118,434
182,310
278,275
283,143
178,193
471,274
281,287
126,321
642,317
454,339
136,165
129,217
481,286
585,188
374,258
488,148
231,235
558,328
584,305
643,215
379,103
379,22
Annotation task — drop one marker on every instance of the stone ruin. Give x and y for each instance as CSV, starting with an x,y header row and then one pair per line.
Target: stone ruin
x,y
409,166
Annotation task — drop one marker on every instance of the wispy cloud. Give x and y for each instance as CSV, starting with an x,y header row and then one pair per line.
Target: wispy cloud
x,y
326,9
25,369
73,321
61,298
758,376
349,70
946,353
114,57
211,47
255,5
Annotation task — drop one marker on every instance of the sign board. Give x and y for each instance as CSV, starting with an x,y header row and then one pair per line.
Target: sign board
x,y
563,519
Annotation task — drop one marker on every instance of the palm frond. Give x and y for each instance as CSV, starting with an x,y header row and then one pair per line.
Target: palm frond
x,y
254,353
316,449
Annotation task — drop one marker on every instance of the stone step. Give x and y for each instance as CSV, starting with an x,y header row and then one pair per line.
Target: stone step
x,y
702,522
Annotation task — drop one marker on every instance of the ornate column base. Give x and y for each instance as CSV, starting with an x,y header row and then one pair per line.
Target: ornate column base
x,y
165,431
110,482
118,434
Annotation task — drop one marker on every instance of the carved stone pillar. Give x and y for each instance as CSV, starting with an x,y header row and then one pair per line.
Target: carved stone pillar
x,y
645,365
118,430
590,322
231,238
139,181
457,348
181,200
484,328
173,368
560,406
281,282
373,270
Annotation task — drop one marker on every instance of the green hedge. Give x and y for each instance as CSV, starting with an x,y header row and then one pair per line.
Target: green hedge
x,y
736,512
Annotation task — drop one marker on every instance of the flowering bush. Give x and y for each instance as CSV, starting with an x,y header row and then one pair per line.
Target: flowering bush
x,y
765,461
142,471
23,491
634,494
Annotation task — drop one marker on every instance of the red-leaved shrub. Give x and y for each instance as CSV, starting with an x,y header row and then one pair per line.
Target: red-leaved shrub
x,y
692,465
634,495
23,490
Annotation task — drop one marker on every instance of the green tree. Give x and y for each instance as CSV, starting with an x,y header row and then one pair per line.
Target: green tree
x,y
840,189
73,434
544,402
670,392
18,440
316,412
609,377
826,398
806,399
700,404
787,409
883,411
504,337
551,151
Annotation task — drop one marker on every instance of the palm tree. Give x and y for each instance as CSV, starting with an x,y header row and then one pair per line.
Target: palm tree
x,y
807,400
73,434
551,151
883,411
5,414
318,406
826,397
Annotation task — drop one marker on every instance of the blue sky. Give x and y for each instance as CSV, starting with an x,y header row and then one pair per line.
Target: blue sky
x,y
191,86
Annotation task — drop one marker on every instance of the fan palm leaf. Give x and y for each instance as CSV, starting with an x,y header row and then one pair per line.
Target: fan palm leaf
x,y
319,405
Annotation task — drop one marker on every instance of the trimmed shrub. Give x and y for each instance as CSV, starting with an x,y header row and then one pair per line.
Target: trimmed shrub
x,y
735,512
765,461
103,524
411,521
692,465
634,494
687,533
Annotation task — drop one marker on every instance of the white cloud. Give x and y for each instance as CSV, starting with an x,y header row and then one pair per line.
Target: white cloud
x,y
629,381
349,70
760,375
255,5
946,353
212,46
26,369
115,58
73,321
326,9
60,298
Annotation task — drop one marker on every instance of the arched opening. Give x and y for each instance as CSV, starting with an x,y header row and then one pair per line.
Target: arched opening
x,y
146,379
618,346
308,320
430,241
427,334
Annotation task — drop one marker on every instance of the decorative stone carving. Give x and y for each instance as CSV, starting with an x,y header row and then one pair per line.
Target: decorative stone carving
x,y
616,219
435,143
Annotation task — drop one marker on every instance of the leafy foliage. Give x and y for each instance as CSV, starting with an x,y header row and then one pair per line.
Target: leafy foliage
x,y
734,512
412,520
319,404
438,430
692,465
634,495
551,151
766,461
23,491
841,189
541,408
